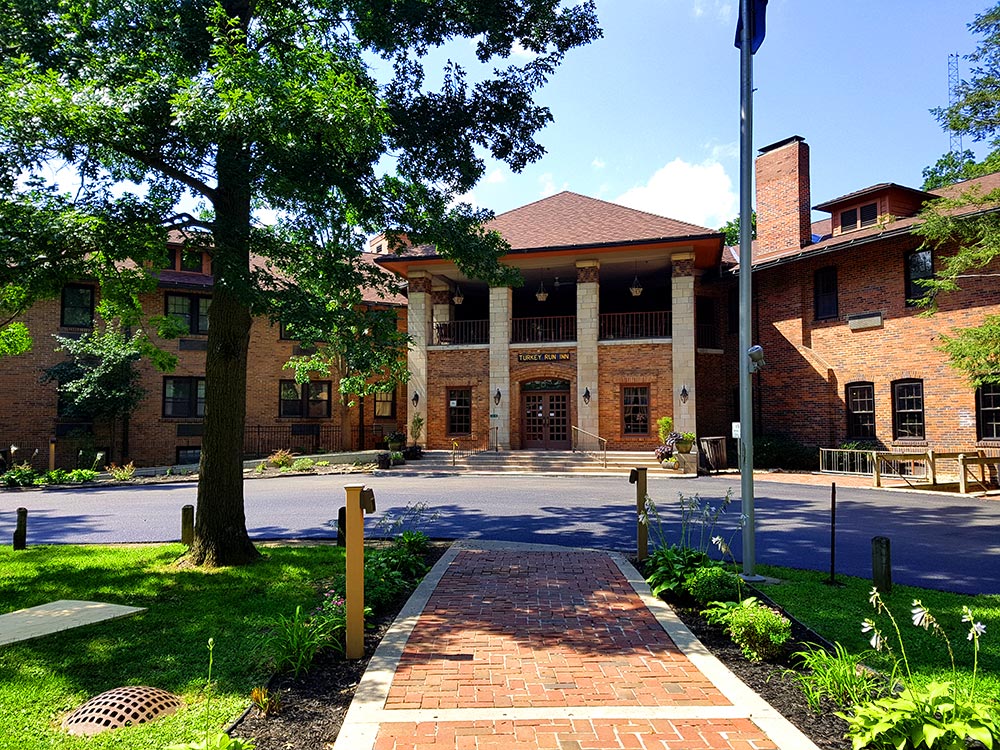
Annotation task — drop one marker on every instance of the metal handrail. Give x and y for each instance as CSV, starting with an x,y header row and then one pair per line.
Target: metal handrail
x,y
472,446
601,445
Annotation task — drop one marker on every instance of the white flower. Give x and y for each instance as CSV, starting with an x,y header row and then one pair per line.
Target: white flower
x,y
921,617
868,626
976,630
716,540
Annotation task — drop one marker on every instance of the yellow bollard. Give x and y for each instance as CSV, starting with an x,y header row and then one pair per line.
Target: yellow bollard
x,y
358,500
52,454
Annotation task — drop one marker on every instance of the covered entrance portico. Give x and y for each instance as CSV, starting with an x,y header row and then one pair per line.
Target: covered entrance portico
x,y
545,414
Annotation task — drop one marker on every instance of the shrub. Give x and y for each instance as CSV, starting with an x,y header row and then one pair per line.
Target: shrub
x,y
664,426
281,458
121,473
840,677
302,464
19,475
414,542
296,641
783,452
711,583
322,463
759,631
669,567
266,702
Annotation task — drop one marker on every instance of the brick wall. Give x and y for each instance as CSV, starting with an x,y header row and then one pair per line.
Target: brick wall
x,y
457,368
802,390
30,420
634,365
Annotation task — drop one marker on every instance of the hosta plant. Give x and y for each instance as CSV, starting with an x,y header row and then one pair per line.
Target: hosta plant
x,y
939,716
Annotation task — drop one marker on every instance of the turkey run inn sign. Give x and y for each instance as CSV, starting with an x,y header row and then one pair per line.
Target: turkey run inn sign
x,y
544,356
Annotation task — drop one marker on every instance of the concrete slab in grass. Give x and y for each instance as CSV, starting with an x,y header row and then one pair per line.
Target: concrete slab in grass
x,y
34,622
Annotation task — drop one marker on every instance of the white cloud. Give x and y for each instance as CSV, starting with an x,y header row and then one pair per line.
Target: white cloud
x,y
598,163
700,194
722,151
548,185
721,10
496,177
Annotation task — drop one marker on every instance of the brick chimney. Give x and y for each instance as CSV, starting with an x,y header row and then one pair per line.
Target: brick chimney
x,y
784,216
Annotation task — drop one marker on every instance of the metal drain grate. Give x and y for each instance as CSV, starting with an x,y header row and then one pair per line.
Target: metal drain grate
x,y
121,707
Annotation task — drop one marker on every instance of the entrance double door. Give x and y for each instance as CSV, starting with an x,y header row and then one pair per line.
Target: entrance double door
x,y
546,420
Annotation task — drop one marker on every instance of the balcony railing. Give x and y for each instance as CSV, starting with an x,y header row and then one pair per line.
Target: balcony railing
x,y
462,332
708,336
541,330
634,325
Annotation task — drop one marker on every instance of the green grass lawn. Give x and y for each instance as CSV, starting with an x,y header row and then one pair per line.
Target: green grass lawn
x,y
836,612
164,647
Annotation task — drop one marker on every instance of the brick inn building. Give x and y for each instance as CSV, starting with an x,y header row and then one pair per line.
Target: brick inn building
x,y
623,317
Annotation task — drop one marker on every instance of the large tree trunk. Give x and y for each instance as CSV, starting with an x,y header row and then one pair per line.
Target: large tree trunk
x,y
220,530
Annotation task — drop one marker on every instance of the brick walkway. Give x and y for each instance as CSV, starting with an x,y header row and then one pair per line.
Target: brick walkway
x,y
511,647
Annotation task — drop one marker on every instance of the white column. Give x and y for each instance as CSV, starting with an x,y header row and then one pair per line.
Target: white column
x,y
683,338
500,311
418,326
587,329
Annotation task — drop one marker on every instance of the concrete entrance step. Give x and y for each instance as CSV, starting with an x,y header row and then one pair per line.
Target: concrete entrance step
x,y
541,462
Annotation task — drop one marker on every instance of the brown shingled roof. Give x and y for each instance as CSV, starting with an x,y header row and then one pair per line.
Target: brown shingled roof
x,y
570,219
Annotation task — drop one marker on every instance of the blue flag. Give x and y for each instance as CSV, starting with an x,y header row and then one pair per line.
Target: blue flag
x,y
757,8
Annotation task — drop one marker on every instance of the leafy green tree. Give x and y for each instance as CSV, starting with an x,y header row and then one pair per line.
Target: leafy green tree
x,y
952,168
969,222
731,229
319,112
99,380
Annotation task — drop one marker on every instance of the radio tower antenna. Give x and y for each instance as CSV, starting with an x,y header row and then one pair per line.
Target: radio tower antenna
x,y
954,137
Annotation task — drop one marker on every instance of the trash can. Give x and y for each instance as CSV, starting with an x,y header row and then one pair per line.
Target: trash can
x,y
714,451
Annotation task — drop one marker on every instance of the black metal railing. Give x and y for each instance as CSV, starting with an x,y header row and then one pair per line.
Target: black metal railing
x,y
634,325
462,332
263,440
542,330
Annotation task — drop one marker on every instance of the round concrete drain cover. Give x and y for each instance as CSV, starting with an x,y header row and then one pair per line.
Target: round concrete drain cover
x,y
120,707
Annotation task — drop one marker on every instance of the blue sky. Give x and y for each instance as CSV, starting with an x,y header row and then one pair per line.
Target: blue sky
x,y
648,116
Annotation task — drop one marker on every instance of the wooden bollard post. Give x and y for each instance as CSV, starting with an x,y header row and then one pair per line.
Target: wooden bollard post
x,y
359,500
881,564
187,525
21,530
52,454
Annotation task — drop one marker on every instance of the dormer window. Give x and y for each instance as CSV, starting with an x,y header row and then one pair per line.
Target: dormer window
x,y
867,214
184,259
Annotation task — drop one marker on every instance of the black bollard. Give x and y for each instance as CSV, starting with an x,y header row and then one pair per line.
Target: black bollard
x,y
342,527
881,564
187,525
21,530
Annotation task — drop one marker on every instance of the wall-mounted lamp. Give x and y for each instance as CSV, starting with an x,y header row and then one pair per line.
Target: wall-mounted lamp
x,y
684,394
415,400
458,298
756,355
497,396
586,395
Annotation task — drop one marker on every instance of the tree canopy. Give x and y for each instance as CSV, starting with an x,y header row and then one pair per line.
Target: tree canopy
x,y
969,220
197,115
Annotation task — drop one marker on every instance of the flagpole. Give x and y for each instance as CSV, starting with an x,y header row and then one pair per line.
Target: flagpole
x,y
746,262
